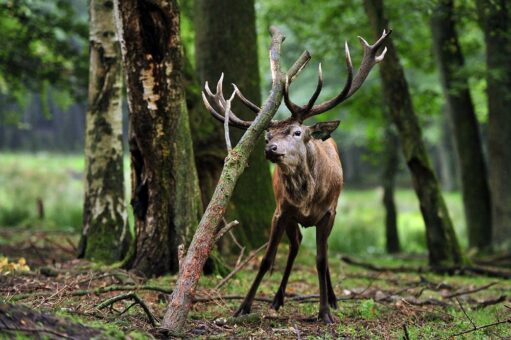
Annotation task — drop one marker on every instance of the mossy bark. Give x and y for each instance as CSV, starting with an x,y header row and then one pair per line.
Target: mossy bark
x,y
165,194
105,235
226,42
495,18
441,239
461,112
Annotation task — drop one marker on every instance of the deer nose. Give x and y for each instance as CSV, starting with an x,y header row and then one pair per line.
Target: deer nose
x,y
272,148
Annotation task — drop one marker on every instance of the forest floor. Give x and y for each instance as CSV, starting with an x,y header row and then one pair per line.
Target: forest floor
x,y
64,297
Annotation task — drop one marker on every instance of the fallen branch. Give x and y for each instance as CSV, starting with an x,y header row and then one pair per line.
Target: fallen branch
x,y
490,302
131,296
241,265
100,290
454,270
469,291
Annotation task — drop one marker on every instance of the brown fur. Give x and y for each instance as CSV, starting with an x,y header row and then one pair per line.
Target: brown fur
x,y
308,192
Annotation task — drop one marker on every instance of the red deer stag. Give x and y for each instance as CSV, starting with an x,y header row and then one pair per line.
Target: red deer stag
x,y
308,176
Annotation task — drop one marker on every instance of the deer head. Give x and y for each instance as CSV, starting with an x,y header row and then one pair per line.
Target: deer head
x,y
286,140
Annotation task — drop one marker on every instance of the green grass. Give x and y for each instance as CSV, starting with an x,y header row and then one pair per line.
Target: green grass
x,y
57,179
360,222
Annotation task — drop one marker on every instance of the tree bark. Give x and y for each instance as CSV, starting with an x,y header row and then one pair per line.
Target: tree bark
x,y
165,194
495,18
390,168
235,164
105,235
460,109
226,42
442,242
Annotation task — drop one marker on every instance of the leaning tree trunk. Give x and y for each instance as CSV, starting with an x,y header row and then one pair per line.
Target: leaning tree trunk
x,y
235,163
165,194
226,42
105,235
495,18
441,239
390,167
474,183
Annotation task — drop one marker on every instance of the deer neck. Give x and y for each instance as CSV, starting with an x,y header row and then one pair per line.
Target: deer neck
x,y
299,180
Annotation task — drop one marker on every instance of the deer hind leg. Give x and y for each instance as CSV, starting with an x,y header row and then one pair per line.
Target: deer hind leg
x,y
322,232
295,239
277,230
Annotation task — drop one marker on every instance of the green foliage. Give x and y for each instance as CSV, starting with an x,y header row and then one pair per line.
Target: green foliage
x,y
43,42
323,28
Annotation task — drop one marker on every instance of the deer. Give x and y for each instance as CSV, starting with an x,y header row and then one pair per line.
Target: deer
x,y
308,177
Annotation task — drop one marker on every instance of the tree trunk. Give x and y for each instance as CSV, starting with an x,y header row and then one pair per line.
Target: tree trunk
x,y
476,193
442,242
495,18
165,194
226,42
235,164
105,235
390,168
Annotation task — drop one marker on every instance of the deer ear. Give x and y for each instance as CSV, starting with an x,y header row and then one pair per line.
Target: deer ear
x,y
323,130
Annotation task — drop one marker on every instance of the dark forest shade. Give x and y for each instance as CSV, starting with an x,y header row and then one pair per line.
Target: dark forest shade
x,y
105,235
165,194
495,18
460,109
226,42
390,168
441,239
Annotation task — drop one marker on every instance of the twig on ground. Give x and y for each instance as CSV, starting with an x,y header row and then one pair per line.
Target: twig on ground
x,y
465,312
482,327
130,296
99,290
243,264
469,291
405,331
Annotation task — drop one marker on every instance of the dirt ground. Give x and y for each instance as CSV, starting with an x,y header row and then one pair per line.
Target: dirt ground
x,y
61,297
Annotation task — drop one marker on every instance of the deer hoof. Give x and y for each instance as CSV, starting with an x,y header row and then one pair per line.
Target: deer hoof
x,y
332,301
326,317
278,301
243,310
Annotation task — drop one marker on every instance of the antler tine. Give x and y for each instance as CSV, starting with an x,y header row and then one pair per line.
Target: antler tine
x,y
320,108
253,107
233,120
315,96
295,109
353,83
222,104
369,60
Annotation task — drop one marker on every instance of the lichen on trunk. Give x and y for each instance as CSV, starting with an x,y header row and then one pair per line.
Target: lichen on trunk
x,y
105,235
165,194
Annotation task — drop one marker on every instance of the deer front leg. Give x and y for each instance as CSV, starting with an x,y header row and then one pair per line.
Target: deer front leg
x,y
277,230
322,232
295,238
332,299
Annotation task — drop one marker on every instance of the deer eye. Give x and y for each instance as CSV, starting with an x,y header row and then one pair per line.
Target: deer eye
x,y
297,133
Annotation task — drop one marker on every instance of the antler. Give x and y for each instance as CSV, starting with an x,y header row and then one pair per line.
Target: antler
x,y
224,105
352,84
